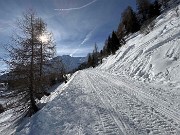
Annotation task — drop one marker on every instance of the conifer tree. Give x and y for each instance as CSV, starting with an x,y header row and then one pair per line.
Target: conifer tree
x,y
90,61
95,55
154,9
109,45
121,32
143,9
129,20
115,42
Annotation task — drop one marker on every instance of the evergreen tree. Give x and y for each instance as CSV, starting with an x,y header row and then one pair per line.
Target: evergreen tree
x,y
163,3
90,60
109,46
101,56
105,51
143,9
129,20
156,8
95,55
115,41
121,32
113,44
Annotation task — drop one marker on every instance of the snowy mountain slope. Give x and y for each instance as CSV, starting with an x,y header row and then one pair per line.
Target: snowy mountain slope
x,y
70,63
154,57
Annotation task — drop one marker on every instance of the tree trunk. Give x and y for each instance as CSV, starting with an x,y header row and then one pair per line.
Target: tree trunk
x,y
33,107
41,63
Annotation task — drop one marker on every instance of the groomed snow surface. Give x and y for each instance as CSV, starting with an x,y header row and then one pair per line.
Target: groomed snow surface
x,y
97,102
134,92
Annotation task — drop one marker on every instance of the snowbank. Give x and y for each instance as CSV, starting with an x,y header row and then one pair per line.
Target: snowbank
x,y
154,57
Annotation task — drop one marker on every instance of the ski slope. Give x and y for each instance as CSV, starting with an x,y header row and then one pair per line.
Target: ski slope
x,y
97,102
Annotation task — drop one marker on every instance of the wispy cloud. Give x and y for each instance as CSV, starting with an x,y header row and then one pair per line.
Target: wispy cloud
x,y
5,25
77,8
87,37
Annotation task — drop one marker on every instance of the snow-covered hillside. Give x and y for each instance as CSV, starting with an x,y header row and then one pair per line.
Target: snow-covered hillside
x,y
134,92
154,57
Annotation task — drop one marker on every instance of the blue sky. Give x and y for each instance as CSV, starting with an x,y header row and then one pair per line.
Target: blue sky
x,y
75,24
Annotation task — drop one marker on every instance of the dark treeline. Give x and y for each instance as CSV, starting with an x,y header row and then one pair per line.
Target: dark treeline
x,y
131,22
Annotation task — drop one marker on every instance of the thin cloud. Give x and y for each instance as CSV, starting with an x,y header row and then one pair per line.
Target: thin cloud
x,y
84,41
87,37
77,8
5,25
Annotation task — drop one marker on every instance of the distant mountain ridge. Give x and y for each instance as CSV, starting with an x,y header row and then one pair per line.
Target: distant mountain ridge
x,y
70,63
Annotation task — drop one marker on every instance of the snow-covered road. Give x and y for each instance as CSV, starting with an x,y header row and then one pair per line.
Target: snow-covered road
x,y
99,103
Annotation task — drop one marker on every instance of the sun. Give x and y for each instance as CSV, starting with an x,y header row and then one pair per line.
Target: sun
x,y
43,38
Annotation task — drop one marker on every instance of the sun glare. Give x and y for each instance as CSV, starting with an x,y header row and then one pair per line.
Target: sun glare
x,y
43,38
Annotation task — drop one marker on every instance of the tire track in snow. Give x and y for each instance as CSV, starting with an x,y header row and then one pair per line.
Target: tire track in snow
x,y
120,122
122,116
111,124
154,100
161,123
